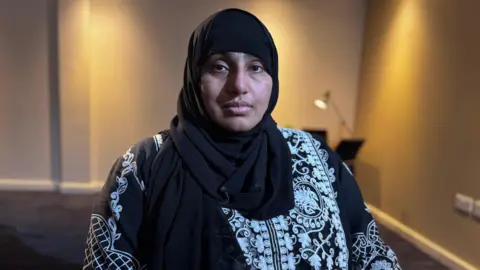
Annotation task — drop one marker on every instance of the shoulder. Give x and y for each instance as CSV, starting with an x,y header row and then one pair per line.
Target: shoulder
x,y
149,145
300,137
289,133
303,141
141,153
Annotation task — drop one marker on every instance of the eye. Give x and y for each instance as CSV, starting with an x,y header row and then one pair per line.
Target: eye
x,y
216,67
257,67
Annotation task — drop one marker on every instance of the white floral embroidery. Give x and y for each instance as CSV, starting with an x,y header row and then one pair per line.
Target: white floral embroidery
x,y
100,252
312,233
369,249
381,265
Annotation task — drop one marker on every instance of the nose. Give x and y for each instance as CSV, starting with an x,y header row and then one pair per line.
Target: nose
x,y
238,82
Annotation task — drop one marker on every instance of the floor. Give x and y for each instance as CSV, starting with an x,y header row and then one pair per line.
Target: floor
x,y
41,230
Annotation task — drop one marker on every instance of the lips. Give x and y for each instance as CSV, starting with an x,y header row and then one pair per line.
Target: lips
x,y
237,107
241,103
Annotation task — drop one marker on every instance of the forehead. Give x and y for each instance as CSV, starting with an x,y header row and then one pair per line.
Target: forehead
x,y
235,56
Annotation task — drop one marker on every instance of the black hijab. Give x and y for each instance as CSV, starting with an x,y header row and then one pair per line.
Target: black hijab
x,y
203,167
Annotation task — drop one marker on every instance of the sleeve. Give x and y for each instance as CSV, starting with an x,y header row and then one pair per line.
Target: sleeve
x,y
112,240
369,251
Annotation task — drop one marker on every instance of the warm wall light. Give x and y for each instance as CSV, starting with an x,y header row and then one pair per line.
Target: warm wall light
x,y
320,103
323,102
323,105
347,149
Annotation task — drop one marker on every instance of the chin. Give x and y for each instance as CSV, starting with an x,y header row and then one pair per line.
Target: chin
x,y
239,125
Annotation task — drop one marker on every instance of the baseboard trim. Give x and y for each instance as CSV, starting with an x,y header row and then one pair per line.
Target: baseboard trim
x,y
50,185
434,250
80,187
27,185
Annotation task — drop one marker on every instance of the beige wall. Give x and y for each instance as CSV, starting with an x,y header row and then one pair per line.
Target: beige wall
x,y
25,125
120,67
74,87
418,109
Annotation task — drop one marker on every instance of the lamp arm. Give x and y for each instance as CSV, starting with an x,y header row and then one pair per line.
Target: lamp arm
x,y
339,115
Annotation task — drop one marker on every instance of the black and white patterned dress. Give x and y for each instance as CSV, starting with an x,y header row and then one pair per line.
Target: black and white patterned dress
x,y
330,226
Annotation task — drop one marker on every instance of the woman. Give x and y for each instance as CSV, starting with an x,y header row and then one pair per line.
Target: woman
x,y
224,187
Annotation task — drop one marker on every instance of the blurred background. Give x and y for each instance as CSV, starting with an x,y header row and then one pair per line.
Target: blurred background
x,y
81,80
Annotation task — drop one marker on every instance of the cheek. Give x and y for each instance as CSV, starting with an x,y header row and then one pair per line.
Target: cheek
x,y
208,92
263,97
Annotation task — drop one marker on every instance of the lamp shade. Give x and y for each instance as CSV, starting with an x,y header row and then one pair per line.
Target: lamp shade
x,y
323,102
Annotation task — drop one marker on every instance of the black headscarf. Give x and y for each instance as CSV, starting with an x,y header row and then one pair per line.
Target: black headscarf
x,y
203,167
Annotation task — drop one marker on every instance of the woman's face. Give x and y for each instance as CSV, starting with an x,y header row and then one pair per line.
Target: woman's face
x,y
236,90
